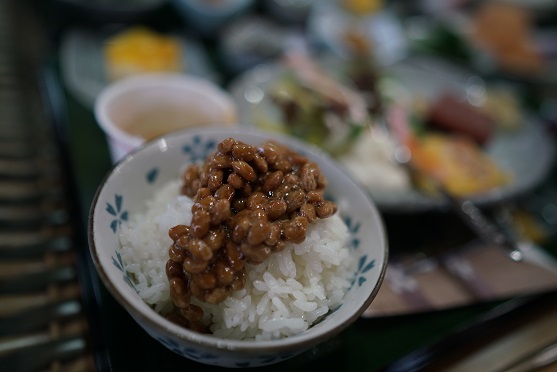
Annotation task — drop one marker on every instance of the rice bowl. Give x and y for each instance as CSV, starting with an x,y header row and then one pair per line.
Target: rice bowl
x,y
348,272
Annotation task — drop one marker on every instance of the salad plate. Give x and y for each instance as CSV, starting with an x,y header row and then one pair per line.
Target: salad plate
x,y
523,150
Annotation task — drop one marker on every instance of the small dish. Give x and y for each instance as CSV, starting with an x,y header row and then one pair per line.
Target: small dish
x,y
331,26
208,17
133,180
249,41
84,69
136,109
524,54
293,12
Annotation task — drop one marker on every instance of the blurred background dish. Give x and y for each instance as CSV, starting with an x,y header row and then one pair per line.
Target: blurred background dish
x,y
249,41
207,17
292,12
298,96
90,60
514,141
512,40
446,102
139,50
341,26
140,108
515,44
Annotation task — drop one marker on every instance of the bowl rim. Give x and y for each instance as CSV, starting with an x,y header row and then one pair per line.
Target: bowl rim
x,y
296,342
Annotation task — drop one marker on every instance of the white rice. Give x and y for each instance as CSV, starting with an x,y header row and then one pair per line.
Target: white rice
x,y
283,296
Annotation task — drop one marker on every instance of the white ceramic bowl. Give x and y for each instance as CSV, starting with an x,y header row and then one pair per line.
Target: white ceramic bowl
x,y
137,176
135,109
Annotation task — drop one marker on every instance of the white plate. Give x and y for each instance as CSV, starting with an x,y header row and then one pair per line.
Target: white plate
x,y
328,23
526,154
83,64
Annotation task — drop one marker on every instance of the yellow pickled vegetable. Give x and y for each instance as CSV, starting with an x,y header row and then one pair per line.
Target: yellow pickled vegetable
x,y
458,163
138,50
362,6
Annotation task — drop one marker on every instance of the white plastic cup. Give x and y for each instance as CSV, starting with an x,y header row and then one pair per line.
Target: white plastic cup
x,y
142,107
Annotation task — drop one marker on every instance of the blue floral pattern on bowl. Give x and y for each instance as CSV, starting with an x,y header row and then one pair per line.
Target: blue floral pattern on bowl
x,y
198,149
353,228
363,269
116,211
119,264
151,176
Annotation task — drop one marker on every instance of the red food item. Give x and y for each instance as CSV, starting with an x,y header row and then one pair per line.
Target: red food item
x,y
450,114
